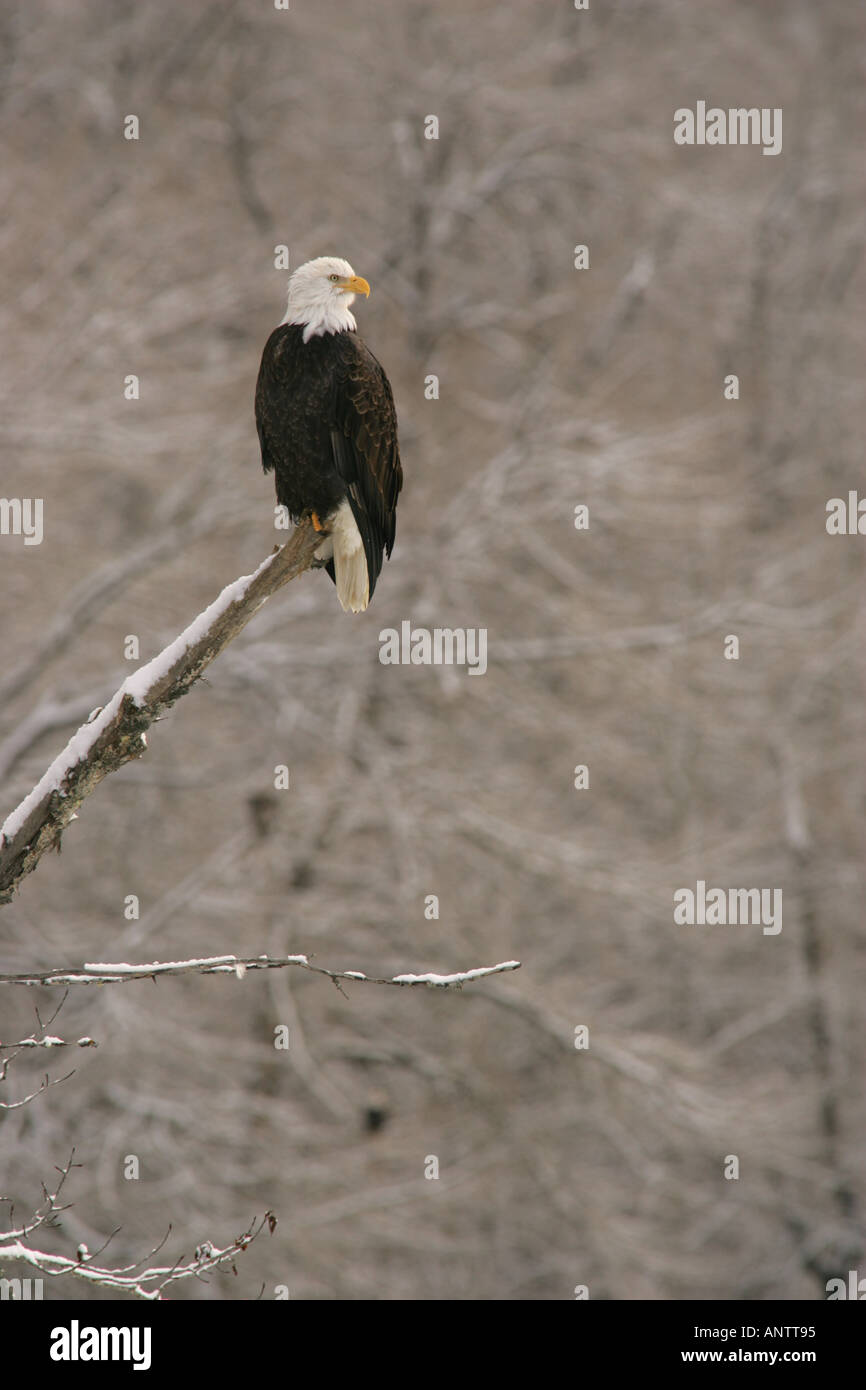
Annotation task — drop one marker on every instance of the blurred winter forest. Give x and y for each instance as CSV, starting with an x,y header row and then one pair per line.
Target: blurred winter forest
x,y
559,1166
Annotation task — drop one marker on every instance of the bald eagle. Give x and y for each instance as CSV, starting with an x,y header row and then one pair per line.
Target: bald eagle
x,y
327,427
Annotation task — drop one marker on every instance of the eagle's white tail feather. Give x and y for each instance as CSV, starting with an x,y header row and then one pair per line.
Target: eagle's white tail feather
x,y
350,562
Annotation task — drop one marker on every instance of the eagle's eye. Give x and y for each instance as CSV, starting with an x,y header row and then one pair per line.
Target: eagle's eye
x,y
333,278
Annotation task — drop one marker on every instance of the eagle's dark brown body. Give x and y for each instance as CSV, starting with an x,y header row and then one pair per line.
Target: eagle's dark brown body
x,y
327,426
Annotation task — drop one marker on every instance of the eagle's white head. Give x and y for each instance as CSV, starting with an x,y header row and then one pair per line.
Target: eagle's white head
x,y
320,293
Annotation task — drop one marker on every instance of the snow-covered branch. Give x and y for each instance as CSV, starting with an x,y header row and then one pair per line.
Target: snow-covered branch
x,y
147,1283
117,733
113,973
49,1042
9,1051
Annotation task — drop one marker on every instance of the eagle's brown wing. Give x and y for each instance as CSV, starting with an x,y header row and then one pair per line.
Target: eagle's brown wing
x,y
363,425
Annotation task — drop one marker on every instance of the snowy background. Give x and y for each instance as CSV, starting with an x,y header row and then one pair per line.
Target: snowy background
x,y
558,387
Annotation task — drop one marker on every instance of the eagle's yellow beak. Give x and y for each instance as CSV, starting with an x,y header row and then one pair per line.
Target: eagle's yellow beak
x,y
354,284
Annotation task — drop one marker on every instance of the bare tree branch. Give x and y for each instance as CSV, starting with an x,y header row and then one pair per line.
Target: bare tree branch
x,y
116,734
150,1283
25,1100
45,1040
114,973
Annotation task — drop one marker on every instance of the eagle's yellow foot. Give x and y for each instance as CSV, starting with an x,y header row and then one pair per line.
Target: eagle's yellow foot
x,y
319,561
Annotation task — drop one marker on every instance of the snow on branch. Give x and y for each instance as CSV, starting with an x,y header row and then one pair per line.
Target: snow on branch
x,y
113,973
148,1283
46,1039
115,734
